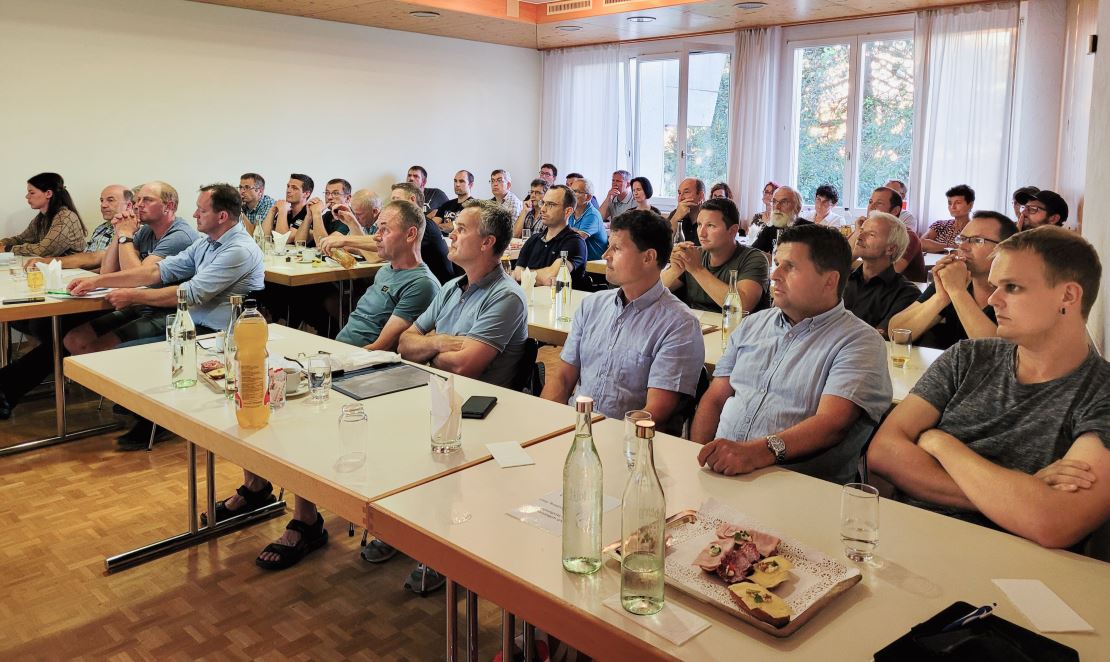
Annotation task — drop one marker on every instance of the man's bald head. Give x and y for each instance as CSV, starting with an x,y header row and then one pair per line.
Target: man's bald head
x,y
114,199
366,205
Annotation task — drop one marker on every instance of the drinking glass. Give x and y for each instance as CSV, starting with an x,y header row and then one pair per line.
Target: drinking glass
x,y
859,520
448,437
301,245
268,249
17,273
36,280
630,419
319,377
900,347
354,434
170,319
525,234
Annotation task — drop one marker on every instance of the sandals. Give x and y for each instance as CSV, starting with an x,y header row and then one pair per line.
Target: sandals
x,y
313,537
262,497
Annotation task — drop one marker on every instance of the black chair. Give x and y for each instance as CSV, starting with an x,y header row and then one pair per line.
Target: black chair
x,y
684,414
529,377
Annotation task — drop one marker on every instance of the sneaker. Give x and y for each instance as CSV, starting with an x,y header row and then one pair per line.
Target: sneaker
x,y
138,437
377,551
424,580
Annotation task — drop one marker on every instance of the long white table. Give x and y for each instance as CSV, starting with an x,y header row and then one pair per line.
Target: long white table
x,y
298,448
925,561
53,308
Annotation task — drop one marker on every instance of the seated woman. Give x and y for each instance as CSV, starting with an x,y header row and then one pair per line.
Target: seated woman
x,y
721,190
756,224
941,236
642,192
824,207
57,229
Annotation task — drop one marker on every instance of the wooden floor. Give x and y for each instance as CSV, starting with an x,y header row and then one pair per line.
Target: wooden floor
x,y
68,507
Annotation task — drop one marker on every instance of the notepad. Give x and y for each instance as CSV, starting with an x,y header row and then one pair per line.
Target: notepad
x,y
1044,609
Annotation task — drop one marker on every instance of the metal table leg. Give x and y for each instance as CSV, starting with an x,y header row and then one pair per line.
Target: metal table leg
x,y
61,435
5,343
194,535
471,626
452,621
529,642
508,634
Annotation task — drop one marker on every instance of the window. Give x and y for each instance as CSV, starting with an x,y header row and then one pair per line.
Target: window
x,y
678,115
852,113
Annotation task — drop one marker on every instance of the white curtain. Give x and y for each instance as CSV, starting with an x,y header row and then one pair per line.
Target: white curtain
x,y
579,123
751,148
965,61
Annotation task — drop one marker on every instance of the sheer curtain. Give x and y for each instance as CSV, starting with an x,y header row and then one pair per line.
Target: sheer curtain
x,y
965,61
751,148
579,123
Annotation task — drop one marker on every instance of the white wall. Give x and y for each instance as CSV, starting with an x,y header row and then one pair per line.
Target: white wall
x,y
1037,91
1075,120
132,90
1096,226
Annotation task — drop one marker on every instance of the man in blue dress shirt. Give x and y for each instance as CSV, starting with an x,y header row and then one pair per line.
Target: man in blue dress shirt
x,y
801,384
586,220
637,346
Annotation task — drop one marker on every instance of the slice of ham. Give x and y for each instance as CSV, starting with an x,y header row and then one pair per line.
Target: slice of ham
x,y
764,542
737,563
711,556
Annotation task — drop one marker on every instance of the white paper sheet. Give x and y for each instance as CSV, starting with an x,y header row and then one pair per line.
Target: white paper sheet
x,y
1044,609
546,512
510,454
673,622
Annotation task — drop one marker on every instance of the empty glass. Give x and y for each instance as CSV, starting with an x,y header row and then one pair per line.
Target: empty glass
x,y
630,443
447,437
354,434
319,376
859,520
525,234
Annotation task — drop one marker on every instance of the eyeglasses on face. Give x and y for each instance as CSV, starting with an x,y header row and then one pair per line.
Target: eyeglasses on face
x,y
974,241
1033,209
247,188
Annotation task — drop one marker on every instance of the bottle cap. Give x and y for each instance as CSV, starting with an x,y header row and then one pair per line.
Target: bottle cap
x,y
584,404
645,429
250,303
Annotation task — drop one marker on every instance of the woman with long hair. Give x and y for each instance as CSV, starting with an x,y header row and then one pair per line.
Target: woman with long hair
x,y
57,228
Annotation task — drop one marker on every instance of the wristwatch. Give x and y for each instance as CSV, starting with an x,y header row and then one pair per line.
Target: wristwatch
x,y
777,446
123,240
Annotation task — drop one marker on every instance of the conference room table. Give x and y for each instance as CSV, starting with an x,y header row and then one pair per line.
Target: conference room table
x,y
300,446
54,307
924,562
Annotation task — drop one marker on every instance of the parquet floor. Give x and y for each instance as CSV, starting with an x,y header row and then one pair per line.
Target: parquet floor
x,y
64,509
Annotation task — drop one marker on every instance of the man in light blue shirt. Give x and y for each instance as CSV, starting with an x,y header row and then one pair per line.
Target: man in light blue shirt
x,y
586,220
637,346
804,383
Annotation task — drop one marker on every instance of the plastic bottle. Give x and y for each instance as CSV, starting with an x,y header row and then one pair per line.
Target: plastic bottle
x,y
252,408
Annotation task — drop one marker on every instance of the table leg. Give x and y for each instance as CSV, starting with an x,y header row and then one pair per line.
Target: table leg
x,y
210,484
529,642
452,621
471,626
5,343
61,435
508,634
194,535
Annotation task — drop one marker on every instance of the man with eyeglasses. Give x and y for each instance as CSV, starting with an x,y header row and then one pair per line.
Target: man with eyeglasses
x,y
548,173
322,220
500,182
541,252
1043,208
586,220
256,204
786,202
955,307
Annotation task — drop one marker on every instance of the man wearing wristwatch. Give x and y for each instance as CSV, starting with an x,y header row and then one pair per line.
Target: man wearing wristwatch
x,y
802,384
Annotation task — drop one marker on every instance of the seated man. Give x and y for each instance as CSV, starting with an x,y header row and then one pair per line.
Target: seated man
x,y
322,218
955,306
223,262
619,198
1043,208
501,183
29,370
434,198
586,220
256,204
1013,432
433,249
912,262
691,196
541,253
289,214
445,215
875,291
786,203
699,274
361,218
475,327
636,346
801,384
401,291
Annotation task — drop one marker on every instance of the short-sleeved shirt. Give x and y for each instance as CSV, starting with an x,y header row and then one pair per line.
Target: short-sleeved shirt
x,y
100,238
258,214
210,271
434,198
768,236
1024,427
433,252
295,220
876,300
618,207
831,220
915,269
908,219
538,253
779,373
948,330
492,311
449,210
331,224
510,203
689,224
749,264
404,293
945,232
178,237
590,223
623,349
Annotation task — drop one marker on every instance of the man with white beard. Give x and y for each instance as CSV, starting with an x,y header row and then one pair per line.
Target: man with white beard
x,y
785,205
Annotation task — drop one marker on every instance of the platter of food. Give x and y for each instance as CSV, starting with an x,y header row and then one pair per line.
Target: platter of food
x,y
733,562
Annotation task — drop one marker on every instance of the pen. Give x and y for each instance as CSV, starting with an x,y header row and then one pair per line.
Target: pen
x,y
981,612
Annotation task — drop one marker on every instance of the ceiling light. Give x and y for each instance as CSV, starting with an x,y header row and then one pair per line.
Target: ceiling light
x,y
568,28
750,5
641,19
424,14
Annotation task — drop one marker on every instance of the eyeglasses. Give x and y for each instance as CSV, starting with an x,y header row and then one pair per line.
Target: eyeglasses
x,y
1033,210
497,180
974,241
785,202
248,188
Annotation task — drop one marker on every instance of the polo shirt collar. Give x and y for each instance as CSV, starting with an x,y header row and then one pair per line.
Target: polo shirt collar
x,y
643,301
887,275
815,322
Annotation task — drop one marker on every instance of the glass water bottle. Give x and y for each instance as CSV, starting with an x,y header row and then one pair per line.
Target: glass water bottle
x,y
230,347
732,311
582,489
643,511
183,372
563,289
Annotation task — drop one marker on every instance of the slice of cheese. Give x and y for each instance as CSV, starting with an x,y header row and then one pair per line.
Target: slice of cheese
x,y
761,603
771,571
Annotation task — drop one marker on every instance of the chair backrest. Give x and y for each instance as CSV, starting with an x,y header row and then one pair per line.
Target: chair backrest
x,y
687,406
528,377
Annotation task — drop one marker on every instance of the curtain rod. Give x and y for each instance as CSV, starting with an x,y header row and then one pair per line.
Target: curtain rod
x,y
707,33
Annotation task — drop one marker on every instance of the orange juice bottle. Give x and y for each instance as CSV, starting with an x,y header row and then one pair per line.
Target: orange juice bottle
x,y
252,406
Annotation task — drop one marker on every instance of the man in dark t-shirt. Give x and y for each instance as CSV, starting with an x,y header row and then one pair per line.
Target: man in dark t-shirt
x,y
541,253
433,197
1014,431
445,214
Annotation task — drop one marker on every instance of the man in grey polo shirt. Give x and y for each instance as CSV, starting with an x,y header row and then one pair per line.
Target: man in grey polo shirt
x,y
637,346
223,262
619,198
801,384
476,325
